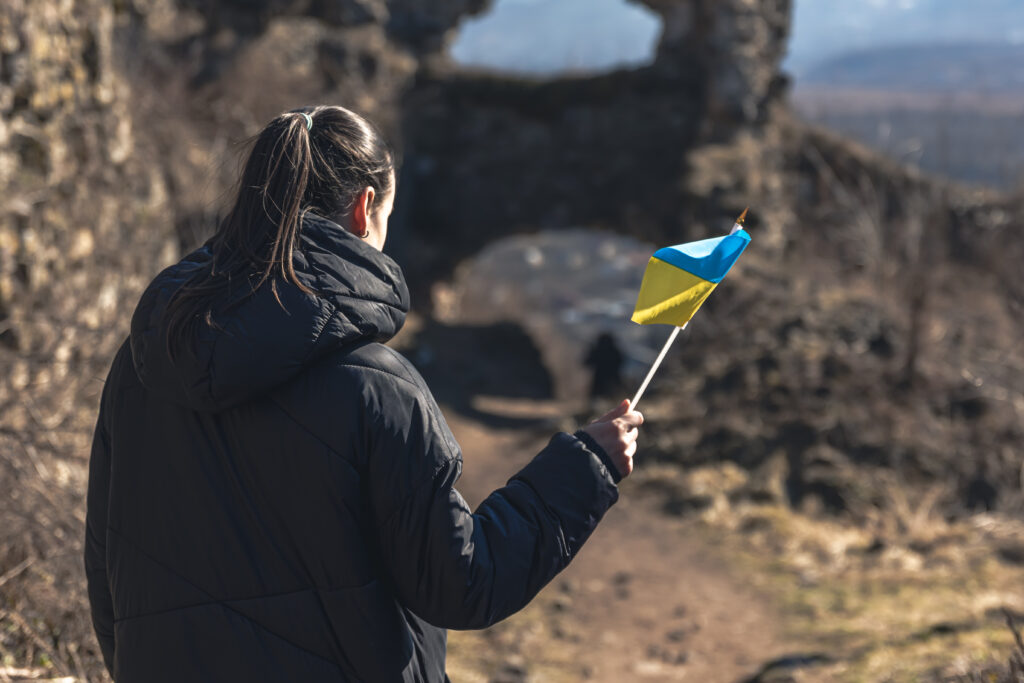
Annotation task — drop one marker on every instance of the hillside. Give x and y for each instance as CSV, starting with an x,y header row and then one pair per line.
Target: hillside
x,y
989,67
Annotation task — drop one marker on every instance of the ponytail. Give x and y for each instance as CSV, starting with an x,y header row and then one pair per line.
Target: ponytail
x,y
281,194
313,159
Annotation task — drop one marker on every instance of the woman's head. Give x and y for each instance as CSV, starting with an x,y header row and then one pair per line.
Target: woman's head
x,y
324,159
327,160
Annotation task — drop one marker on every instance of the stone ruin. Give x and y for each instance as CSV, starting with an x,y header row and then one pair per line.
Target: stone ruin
x,y
116,120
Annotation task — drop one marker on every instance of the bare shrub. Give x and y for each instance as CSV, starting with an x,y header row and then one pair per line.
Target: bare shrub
x,y
1011,672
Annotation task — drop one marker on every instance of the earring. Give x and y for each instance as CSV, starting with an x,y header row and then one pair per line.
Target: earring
x,y
365,233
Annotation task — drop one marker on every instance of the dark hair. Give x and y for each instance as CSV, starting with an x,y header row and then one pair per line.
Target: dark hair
x,y
294,167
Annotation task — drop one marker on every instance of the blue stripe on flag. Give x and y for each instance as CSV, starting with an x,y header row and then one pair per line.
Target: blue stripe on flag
x,y
708,259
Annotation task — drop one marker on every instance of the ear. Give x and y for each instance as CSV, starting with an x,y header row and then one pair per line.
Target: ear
x,y
361,211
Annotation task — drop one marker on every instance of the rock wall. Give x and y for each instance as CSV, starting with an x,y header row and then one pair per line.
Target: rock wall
x,y
117,125
80,233
76,225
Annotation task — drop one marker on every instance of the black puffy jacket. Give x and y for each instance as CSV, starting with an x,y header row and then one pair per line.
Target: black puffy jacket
x,y
281,506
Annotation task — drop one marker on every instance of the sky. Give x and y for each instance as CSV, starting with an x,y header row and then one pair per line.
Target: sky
x,y
531,36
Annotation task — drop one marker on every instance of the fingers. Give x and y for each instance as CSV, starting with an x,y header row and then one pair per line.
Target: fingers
x,y
615,412
617,432
624,427
622,411
631,420
621,429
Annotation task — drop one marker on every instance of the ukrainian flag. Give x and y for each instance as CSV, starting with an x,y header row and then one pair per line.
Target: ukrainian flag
x,y
678,279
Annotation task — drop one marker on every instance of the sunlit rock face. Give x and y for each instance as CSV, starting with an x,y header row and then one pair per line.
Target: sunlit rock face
x,y
418,24
77,228
119,124
739,44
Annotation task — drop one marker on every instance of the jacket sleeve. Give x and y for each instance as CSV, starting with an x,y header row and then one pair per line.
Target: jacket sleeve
x,y
100,601
460,569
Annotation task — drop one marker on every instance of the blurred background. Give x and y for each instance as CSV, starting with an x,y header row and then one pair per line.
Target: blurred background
x,y
829,485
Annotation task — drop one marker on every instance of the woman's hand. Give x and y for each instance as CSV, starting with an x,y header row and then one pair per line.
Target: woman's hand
x,y
616,432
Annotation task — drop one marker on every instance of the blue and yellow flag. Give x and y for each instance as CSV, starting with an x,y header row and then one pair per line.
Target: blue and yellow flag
x,y
679,279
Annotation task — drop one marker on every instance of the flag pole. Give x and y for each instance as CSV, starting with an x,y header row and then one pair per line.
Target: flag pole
x,y
657,363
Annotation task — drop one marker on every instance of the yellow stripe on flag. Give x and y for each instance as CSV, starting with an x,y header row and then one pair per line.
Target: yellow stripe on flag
x,y
669,295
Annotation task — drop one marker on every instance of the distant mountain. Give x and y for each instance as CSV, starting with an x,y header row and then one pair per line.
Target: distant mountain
x,y
988,68
826,28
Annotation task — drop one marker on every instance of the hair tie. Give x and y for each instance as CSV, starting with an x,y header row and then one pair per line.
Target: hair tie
x,y
309,120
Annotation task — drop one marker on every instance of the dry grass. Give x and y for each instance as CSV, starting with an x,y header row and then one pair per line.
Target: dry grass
x,y
47,412
1012,671
897,593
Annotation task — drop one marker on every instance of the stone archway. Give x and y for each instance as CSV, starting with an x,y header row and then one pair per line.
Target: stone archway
x,y
490,154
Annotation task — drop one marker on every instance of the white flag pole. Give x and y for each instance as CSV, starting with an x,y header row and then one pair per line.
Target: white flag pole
x,y
654,368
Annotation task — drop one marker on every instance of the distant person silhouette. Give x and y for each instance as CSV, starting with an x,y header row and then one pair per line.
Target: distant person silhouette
x,y
981,493
605,361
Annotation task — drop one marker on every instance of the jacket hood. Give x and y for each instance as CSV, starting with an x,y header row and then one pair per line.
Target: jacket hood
x,y
258,344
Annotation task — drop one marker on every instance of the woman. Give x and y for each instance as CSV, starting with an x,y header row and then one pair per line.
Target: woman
x,y
271,490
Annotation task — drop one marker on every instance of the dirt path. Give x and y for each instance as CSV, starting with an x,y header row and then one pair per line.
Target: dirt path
x,y
644,600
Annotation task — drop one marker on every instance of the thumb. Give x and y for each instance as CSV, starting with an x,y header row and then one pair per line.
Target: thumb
x,y
617,411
